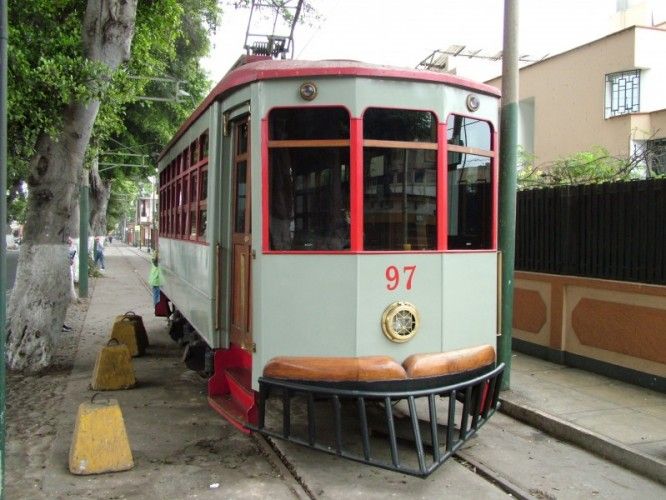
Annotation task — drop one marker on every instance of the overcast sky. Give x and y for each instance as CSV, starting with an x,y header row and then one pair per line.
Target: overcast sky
x,y
404,32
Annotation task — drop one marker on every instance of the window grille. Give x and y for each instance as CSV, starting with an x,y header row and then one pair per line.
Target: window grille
x,y
622,93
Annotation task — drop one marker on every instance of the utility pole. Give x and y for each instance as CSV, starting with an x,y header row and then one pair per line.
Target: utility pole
x,y
508,160
4,34
84,220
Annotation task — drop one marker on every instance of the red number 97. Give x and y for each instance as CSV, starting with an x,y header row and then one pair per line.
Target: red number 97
x,y
393,277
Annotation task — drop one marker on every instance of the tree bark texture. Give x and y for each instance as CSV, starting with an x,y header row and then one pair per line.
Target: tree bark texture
x,y
41,292
100,191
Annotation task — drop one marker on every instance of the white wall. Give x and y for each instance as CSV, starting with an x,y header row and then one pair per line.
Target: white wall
x,y
651,58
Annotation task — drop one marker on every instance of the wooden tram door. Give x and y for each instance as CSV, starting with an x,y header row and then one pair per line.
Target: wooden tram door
x,y
241,237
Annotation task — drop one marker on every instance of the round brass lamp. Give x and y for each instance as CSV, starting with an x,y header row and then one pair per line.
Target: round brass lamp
x,y
400,321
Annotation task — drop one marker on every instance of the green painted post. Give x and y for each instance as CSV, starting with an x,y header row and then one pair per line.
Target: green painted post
x,y
83,236
508,161
4,34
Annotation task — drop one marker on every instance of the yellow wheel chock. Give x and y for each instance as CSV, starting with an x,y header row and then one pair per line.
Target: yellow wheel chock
x,y
100,441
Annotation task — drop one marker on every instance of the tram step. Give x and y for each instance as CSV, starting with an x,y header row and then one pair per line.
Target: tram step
x,y
230,388
232,411
240,385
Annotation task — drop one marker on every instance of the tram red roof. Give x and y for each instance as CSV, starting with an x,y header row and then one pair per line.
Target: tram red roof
x,y
269,69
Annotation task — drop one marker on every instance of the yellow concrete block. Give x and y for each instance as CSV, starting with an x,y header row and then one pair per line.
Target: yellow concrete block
x,y
113,369
128,329
100,441
138,324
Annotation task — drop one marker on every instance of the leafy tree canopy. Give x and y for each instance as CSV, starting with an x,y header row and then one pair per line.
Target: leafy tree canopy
x,y
47,70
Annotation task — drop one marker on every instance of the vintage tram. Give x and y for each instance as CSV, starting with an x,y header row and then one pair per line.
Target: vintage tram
x,y
328,232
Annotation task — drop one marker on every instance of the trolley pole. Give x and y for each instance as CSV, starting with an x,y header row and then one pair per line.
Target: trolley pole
x,y
508,160
4,35
83,235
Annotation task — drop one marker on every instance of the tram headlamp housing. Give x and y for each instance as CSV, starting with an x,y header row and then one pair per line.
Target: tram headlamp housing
x,y
472,102
400,321
308,91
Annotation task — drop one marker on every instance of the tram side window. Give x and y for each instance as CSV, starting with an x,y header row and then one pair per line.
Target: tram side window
x,y
470,184
309,179
203,205
400,179
184,191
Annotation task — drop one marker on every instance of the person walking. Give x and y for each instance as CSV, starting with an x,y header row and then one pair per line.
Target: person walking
x,y
99,253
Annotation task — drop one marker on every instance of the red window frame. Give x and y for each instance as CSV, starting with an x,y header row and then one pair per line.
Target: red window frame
x,y
356,190
268,143
494,166
423,145
180,193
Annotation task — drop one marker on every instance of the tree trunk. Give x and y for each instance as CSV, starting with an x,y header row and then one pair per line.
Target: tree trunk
x,y
41,292
100,191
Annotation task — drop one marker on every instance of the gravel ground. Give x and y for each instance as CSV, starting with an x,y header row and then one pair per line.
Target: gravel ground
x,y
33,407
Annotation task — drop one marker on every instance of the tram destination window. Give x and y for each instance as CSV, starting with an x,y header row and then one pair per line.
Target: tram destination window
x,y
400,180
309,179
470,184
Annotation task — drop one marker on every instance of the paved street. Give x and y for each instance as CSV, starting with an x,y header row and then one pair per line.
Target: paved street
x,y
183,449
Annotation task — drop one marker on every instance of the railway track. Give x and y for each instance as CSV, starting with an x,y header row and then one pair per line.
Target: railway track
x,y
282,464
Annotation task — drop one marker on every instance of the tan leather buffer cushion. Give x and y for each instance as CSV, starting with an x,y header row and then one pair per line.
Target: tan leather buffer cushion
x,y
363,369
445,363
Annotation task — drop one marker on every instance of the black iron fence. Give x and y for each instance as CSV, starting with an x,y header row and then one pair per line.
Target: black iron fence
x,y
611,231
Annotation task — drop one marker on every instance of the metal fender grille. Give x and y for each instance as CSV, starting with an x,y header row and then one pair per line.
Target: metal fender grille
x,y
357,424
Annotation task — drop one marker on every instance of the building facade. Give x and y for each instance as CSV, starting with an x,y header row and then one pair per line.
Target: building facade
x,y
607,93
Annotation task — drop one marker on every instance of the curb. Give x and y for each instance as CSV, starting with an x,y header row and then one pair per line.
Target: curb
x,y
603,446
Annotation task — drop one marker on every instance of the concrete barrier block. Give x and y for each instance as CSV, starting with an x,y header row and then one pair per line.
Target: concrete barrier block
x,y
128,329
113,369
100,442
142,335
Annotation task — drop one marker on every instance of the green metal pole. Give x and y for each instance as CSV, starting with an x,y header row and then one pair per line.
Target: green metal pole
x,y
508,160
83,236
4,35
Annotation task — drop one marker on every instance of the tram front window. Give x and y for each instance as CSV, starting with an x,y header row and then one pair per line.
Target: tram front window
x,y
400,180
309,179
470,191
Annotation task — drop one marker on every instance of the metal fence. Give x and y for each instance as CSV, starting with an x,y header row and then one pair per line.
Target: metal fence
x,y
611,231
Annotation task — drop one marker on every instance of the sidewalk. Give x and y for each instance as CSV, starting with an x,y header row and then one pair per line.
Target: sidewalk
x,y
621,422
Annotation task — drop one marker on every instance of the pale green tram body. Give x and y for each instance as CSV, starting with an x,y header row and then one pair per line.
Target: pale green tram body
x,y
309,304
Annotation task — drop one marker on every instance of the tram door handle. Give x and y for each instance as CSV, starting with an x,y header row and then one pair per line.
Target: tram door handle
x,y
254,255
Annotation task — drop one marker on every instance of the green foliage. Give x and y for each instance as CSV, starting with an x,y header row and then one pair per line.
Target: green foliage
x,y
171,36
16,210
143,127
47,71
585,167
124,191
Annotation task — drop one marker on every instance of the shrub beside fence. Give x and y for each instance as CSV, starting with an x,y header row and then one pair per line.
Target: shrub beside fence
x,y
613,231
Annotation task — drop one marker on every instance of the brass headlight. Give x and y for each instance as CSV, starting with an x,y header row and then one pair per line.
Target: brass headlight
x,y
308,91
472,102
400,321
